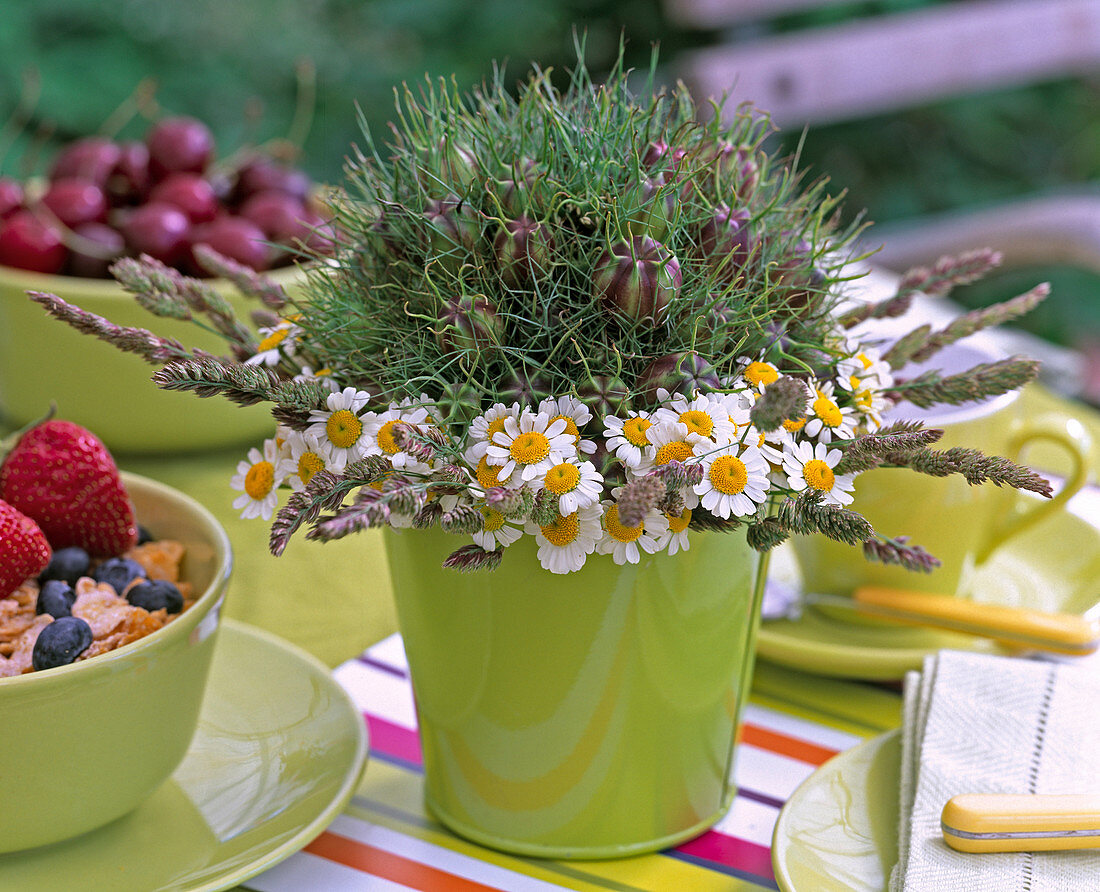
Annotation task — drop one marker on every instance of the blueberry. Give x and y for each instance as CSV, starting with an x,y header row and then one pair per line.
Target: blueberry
x,y
61,642
118,572
144,535
56,598
68,564
156,594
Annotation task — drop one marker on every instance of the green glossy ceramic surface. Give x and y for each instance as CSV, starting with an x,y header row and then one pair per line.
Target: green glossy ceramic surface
x,y
1055,568
586,715
838,831
96,385
93,739
278,753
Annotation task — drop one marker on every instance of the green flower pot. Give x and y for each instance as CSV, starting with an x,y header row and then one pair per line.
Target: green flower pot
x,y
588,715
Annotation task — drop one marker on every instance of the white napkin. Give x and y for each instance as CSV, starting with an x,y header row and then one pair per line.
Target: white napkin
x,y
974,723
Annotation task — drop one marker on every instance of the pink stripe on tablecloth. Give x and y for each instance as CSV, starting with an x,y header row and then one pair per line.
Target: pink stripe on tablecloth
x,y
394,741
730,851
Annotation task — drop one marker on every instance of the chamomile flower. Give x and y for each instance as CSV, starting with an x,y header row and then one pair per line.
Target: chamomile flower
x,y
484,426
705,415
628,438
341,427
757,373
565,544
864,368
276,342
678,531
529,446
257,480
734,480
576,415
738,402
576,485
302,456
869,405
826,420
380,440
497,531
321,376
626,544
810,465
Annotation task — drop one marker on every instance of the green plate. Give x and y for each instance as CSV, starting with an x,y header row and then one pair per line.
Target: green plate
x,y
1055,567
838,831
279,751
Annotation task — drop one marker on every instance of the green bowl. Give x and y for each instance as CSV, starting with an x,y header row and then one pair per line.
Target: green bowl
x,y
43,360
83,744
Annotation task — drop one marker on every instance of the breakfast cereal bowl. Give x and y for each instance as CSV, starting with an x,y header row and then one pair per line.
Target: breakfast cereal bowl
x,y
87,742
99,387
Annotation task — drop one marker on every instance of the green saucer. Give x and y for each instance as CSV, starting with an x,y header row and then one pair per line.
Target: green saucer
x,y
279,751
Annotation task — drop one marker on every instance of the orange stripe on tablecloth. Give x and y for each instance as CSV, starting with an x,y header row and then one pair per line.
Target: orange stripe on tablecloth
x,y
388,866
785,745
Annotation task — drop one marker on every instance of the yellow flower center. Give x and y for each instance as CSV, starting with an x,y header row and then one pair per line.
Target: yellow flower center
x,y
615,528
697,422
570,426
634,430
343,428
487,475
495,427
827,411
862,357
728,475
818,474
677,450
385,437
274,339
864,399
679,524
793,425
491,520
563,531
259,480
757,373
562,478
529,448
309,463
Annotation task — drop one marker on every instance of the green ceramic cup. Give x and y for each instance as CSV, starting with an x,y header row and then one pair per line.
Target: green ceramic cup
x,y
43,360
86,743
587,715
960,524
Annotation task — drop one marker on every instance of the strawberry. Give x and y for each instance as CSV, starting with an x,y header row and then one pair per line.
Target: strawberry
x,y
62,476
24,551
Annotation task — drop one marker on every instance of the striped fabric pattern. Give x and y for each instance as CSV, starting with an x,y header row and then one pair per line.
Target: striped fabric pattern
x,y
385,840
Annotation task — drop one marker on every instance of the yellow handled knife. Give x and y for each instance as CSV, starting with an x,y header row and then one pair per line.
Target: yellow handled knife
x,y
999,822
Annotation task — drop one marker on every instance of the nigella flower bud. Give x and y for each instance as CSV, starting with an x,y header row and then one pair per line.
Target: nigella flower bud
x,y
523,387
458,167
734,169
459,401
514,191
659,155
453,229
604,395
725,241
468,322
637,278
650,207
685,373
522,250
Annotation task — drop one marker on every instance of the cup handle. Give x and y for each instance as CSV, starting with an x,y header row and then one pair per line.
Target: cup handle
x,y
1070,435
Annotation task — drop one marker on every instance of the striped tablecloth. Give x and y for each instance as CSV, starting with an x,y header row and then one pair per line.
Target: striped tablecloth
x,y
385,840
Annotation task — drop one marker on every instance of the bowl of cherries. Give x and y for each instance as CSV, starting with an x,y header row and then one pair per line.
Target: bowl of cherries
x,y
162,196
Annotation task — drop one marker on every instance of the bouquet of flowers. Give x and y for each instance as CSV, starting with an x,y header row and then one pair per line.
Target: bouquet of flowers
x,y
581,314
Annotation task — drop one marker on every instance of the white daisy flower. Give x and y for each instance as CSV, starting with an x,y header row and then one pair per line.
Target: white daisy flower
x,y
738,402
811,465
576,485
565,544
341,427
276,342
706,415
758,373
379,432
626,544
826,420
864,367
484,426
257,480
734,481
301,456
497,531
576,415
321,376
628,438
869,405
678,532
530,446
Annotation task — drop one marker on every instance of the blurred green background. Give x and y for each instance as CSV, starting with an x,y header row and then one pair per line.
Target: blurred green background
x,y
237,65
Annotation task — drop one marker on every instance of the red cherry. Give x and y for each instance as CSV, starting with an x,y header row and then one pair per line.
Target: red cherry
x,y
278,214
92,159
266,175
109,244
74,200
320,234
28,243
11,196
190,193
236,238
179,144
129,180
157,229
